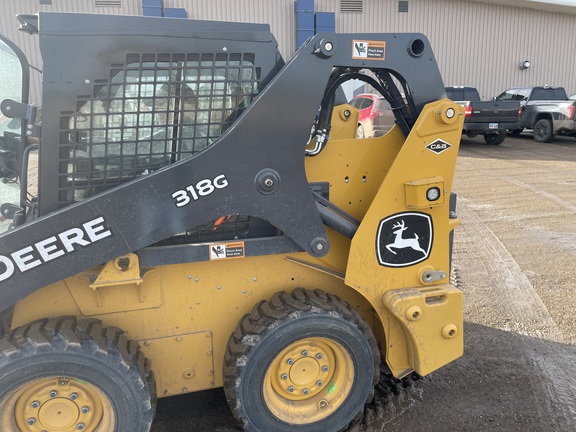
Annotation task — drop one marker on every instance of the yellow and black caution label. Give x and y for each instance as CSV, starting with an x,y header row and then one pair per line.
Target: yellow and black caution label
x,y
368,50
227,250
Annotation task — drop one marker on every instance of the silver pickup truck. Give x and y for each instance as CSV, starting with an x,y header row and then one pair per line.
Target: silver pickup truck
x,y
547,111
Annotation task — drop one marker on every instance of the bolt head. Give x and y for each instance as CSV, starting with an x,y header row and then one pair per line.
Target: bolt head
x,y
319,383
324,368
80,426
35,404
85,409
74,396
291,389
53,393
31,421
305,353
305,391
290,361
284,376
319,356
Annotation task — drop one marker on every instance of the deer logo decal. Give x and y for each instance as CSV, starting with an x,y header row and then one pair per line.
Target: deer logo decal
x,y
404,239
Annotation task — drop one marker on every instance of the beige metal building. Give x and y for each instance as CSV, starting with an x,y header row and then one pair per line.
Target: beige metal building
x,y
477,43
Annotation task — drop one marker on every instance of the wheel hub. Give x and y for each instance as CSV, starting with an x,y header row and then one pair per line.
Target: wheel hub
x,y
58,405
308,380
58,414
303,370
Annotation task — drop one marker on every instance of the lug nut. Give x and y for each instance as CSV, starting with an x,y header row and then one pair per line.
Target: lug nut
x,y
319,356
35,404
31,421
74,396
290,361
305,391
305,353
85,409
291,389
53,393
284,376
80,426
324,368
319,383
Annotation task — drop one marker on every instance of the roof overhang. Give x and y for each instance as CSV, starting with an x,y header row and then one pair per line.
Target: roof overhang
x,y
555,6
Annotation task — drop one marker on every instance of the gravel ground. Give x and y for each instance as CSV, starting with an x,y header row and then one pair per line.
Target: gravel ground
x,y
513,255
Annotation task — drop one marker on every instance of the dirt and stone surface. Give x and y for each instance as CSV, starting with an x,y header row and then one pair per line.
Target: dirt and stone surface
x,y
514,256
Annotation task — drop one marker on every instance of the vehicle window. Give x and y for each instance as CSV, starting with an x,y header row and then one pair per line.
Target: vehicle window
x,y
549,94
462,94
523,94
382,105
452,93
366,103
10,85
507,95
357,102
11,81
471,94
156,110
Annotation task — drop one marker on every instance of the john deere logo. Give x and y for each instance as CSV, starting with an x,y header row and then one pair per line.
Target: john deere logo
x,y
404,239
438,146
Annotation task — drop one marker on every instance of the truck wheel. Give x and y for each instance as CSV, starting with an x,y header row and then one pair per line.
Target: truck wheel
x,y
495,139
68,375
304,361
360,132
543,132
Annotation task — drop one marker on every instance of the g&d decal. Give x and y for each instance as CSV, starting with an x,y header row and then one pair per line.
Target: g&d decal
x,y
404,239
438,146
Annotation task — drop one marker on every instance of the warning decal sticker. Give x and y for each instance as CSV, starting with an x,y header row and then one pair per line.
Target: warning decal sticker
x,y
368,50
227,250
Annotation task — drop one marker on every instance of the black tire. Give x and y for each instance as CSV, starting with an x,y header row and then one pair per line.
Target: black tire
x,y
298,327
543,132
84,373
495,139
360,132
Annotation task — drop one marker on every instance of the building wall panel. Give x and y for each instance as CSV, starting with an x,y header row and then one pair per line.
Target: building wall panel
x,y
476,44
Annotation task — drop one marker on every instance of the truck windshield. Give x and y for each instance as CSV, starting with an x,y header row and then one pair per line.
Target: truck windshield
x,y
11,82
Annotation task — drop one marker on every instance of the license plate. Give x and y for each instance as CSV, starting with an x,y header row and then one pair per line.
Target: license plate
x,y
492,125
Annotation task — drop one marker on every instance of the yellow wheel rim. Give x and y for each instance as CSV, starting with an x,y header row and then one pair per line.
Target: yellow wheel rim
x,y
56,404
308,381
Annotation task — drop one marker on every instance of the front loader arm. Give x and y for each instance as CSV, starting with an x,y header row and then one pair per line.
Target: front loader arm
x,y
255,168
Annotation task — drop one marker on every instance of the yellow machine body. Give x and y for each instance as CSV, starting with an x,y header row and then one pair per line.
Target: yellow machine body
x,y
183,314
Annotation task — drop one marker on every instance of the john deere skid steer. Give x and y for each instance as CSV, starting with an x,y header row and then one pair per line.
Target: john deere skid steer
x,y
192,212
